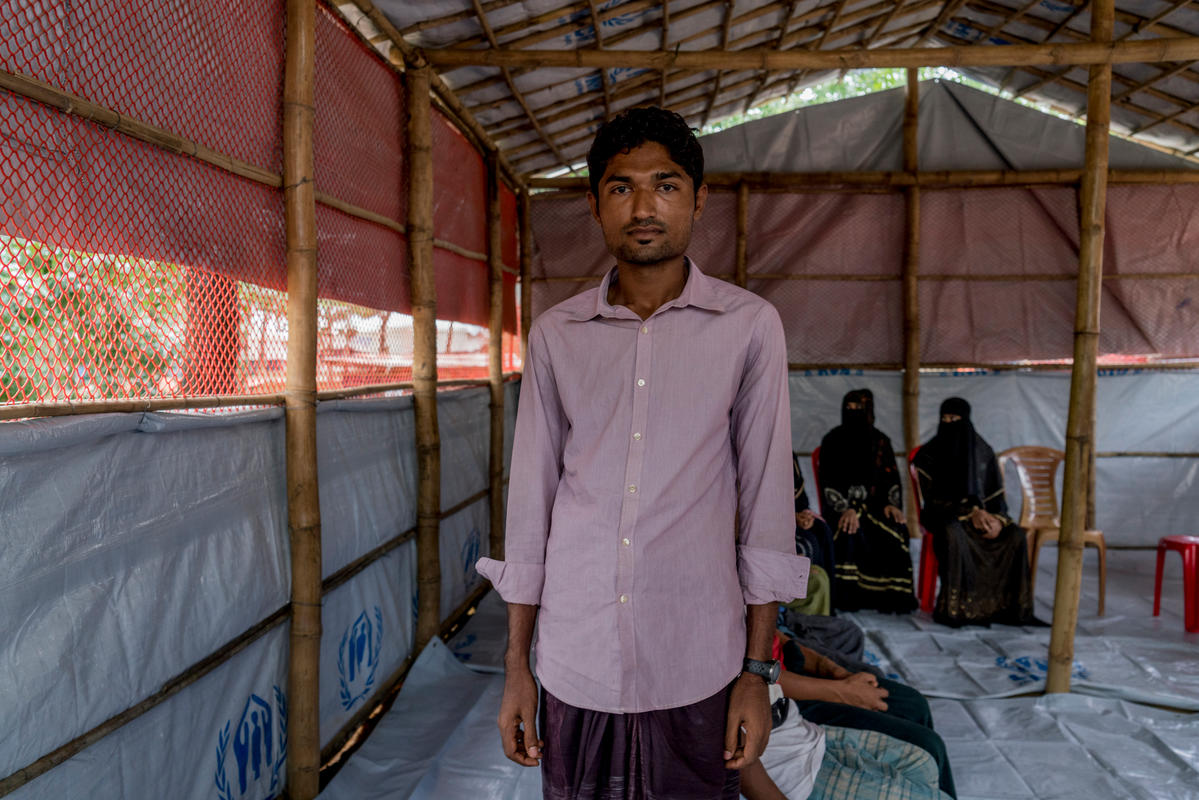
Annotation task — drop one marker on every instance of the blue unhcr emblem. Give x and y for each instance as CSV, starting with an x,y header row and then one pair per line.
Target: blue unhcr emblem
x,y
358,656
470,554
1025,670
259,745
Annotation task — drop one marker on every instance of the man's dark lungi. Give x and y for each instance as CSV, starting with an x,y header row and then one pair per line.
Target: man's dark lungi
x,y
671,754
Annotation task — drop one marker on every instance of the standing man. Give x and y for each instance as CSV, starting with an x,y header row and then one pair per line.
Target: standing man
x,y
650,532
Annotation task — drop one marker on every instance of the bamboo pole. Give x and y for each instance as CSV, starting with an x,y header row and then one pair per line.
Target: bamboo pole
x,y
303,501
1150,51
424,367
742,265
1080,433
526,272
765,181
910,294
495,351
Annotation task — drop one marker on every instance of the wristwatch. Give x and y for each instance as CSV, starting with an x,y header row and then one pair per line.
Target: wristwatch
x,y
767,670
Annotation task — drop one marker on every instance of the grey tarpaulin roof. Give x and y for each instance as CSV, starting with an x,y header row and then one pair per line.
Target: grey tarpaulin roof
x,y
541,118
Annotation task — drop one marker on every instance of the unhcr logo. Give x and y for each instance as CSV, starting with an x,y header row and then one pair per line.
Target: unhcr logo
x,y
358,656
258,744
470,554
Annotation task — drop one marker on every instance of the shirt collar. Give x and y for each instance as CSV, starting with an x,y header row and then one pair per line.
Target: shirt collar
x,y
698,291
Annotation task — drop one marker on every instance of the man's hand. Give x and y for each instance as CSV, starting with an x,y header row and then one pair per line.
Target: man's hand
x,y
519,706
804,519
748,726
849,521
895,514
861,689
989,524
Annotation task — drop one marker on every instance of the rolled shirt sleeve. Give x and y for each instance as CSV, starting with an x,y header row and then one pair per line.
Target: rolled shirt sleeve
x,y
536,471
516,582
769,569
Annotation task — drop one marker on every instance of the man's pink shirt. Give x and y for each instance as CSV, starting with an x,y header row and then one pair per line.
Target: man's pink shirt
x,y
631,439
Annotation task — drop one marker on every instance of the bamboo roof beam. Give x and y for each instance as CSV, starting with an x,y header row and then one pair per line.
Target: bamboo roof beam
x,y
599,45
516,95
1143,51
784,23
797,181
729,9
820,42
677,99
870,12
531,36
574,106
1159,94
1138,27
1161,76
665,74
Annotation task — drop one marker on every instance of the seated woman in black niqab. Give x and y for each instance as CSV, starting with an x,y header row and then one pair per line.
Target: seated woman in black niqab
x,y
861,497
982,555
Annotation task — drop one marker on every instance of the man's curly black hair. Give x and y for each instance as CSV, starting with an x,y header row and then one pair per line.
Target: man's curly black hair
x,y
635,127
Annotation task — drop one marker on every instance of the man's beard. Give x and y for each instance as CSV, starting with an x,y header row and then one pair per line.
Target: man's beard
x,y
647,255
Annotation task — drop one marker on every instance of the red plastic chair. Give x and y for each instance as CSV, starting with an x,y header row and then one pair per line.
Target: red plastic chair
x,y
926,586
1188,548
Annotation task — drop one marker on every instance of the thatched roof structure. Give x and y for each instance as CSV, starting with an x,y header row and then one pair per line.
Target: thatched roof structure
x,y
696,57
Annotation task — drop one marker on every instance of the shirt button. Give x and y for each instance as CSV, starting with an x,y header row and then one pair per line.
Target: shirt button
x,y
641,381
637,437
625,542
644,329
632,489
624,598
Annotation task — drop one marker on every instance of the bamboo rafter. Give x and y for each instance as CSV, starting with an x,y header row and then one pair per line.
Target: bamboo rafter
x,y
761,37
784,23
729,10
457,16
1077,53
516,95
1139,25
950,8
824,35
664,41
1123,103
682,100
603,72
584,102
685,99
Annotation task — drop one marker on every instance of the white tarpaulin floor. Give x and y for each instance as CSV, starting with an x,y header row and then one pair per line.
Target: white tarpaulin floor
x,y
1129,731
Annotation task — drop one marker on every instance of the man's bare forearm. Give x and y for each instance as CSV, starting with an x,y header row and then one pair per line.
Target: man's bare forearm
x,y
521,619
759,630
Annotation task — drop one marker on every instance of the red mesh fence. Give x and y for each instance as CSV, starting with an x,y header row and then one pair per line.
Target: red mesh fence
x,y
128,271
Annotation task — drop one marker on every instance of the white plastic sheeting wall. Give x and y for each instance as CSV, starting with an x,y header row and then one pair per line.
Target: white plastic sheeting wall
x,y
135,545
1138,499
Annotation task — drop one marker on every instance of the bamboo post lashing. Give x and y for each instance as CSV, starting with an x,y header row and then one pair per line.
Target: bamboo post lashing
x,y
911,294
303,500
741,273
424,362
495,352
1080,432
526,273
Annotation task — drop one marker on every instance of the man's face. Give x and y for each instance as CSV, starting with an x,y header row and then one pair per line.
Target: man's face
x,y
646,206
